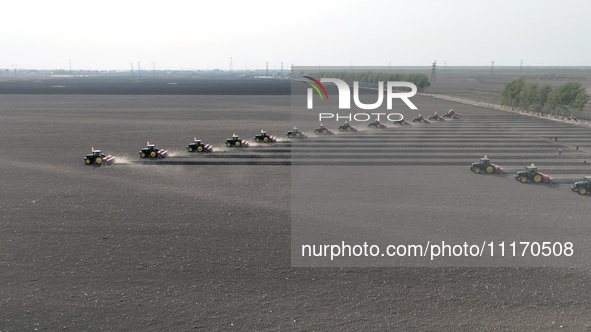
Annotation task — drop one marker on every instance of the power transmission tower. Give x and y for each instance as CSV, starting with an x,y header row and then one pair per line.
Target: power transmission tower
x,y
434,72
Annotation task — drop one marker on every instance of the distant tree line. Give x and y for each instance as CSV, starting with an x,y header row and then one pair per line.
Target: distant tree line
x,y
420,80
566,99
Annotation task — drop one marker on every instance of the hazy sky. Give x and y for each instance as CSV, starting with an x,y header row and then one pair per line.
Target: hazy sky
x,y
205,34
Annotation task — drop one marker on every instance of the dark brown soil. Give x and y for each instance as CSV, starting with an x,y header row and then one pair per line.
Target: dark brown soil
x,y
142,246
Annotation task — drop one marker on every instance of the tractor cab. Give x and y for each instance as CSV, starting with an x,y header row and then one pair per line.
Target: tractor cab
x,y
485,161
532,169
587,179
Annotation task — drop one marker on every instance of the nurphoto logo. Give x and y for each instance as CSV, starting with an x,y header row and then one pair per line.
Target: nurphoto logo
x,y
345,99
345,93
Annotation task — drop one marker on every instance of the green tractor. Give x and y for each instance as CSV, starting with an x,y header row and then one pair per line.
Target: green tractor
x,y
531,174
582,187
97,158
295,132
484,165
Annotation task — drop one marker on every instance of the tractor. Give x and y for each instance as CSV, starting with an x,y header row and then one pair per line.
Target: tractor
x,y
97,158
582,187
376,124
265,138
295,132
235,141
420,119
484,165
322,130
401,122
451,114
198,146
531,174
150,151
347,127
436,117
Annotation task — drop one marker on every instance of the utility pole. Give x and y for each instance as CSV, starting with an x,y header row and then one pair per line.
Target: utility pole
x,y
267,70
231,67
492,67
154,68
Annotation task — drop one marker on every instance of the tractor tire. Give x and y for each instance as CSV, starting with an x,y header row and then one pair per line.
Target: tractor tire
x,y
341,129
371,126
228,144
422,121
537,178
266,139
190,149
298,135
200,148
348,128
523,179
379,125
87,161
153,154
98,160
289,136
476,169
238,143
257,140
490,169
143,154
582,191
317,132
325,132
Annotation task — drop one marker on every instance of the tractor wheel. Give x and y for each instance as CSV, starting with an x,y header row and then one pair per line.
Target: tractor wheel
x,y
422,121
523,179
317,132
98,160
228,144
325,132
476,169
371,126
190,149
87,161
341,129
490,169
257,140
289,135
238,143
379,125
153,154
143,155
298,135
583,191
266,139
348,128
537,178
200,148
403,123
